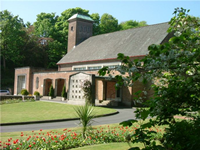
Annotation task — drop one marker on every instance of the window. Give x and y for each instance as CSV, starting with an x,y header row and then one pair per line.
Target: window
x,y
112,66
37,83
80,68
72,28
94,67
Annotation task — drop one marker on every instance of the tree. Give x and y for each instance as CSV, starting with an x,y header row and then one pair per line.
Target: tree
x,y
64,93
174,70
51,91
45,25
108,24
131,24
11,41
96,27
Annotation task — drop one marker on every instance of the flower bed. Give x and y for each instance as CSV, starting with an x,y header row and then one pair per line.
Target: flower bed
x,y
69,139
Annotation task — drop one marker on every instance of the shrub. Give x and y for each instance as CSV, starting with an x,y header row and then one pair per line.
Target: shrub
x,y
64,93
51,91
24,92
85,113
36,93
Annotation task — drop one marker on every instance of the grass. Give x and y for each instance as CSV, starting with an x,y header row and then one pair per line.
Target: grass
x,y
110,146
34,111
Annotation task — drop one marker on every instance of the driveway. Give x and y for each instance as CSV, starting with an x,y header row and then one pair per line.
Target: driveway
x,y
124,114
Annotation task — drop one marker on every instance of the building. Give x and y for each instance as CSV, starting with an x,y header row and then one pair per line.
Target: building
x,y
86,55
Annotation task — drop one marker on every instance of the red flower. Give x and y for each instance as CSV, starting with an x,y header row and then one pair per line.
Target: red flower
x,y
17,147
40,129
33,143
75,134
29,145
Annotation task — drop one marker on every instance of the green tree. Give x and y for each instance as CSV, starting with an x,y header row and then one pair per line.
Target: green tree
x,y
108,24
45,24
51,91
32,49
11,41
96,27
131,24
64,93
173,68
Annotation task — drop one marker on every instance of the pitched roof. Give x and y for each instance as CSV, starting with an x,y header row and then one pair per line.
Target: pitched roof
x,y
80,17
131,42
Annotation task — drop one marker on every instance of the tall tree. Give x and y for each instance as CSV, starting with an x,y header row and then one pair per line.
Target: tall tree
x,y
11,41
45,24
96,27
108,24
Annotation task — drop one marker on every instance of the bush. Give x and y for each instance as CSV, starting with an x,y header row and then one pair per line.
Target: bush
x,y
85,113
64,93
87,89
51,91
24,92
36,93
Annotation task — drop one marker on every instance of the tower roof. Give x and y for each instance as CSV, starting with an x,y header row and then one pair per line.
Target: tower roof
x,y
80,17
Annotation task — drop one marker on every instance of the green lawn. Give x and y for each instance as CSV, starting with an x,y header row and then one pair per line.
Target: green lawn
x,y
109,146
33,111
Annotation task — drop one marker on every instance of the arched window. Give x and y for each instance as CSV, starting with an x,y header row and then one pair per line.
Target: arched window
x,y
37,83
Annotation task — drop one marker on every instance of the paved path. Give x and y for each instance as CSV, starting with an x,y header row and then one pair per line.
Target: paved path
x,y
124,114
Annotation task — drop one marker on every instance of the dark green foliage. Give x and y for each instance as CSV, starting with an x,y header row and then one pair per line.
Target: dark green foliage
x,y
183,135
36,93
64,93
24,92
51,91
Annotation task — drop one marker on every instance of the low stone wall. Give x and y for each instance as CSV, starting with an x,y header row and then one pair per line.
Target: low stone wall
x,y
16,97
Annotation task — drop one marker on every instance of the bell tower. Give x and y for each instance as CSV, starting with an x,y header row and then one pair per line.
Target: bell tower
x,y
80,28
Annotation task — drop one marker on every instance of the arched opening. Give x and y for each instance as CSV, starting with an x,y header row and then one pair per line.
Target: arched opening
x,y
59,86
47,84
